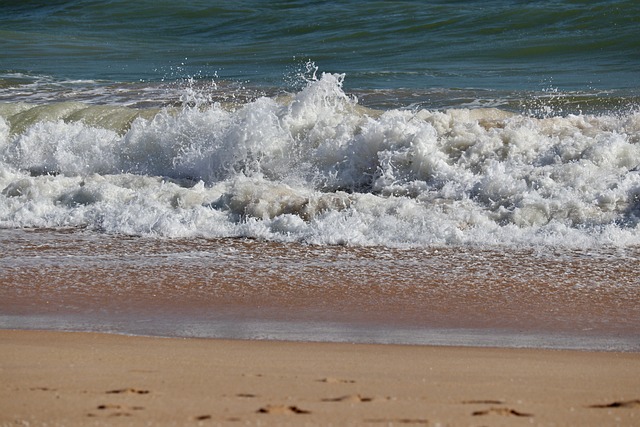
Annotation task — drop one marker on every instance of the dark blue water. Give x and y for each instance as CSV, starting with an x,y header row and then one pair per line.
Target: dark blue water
x,y
497,45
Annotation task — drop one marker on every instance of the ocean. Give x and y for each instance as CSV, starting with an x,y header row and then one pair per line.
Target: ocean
x,y
323,139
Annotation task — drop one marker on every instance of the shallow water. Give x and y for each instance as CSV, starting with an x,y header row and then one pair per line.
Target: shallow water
x,y
235,288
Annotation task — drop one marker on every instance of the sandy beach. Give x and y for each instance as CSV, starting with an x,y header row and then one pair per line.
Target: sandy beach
x,y
78,379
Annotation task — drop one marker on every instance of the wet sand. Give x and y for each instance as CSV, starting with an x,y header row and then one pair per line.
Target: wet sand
x,y
243,289
80,379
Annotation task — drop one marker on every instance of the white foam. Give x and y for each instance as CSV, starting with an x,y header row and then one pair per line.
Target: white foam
x,y
317,167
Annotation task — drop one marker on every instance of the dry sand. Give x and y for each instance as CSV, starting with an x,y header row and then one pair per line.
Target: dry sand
x,y
73,379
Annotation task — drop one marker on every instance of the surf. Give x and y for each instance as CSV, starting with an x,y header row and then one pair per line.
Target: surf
x,y
316,166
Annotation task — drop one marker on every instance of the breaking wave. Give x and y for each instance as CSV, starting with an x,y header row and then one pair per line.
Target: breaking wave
x,y
315,166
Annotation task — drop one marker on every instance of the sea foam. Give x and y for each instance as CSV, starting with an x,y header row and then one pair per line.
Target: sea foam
x,y
317,167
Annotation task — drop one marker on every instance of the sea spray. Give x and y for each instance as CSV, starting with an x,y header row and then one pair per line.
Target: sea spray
x,y
316,166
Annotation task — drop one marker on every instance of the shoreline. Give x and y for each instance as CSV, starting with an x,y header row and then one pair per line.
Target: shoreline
x,y
98,379
263,290
288,330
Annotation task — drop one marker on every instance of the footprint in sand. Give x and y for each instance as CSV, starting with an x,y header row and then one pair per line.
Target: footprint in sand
x,y
483,402
103,407
202,417
332,380
621,404
282,410
42,389
501,411
113,414
128,391
354,398
120,410
134,408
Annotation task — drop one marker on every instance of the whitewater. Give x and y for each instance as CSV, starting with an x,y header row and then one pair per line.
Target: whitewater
x,y
315,166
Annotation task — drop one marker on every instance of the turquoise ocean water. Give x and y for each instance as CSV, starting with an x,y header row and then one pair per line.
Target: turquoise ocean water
x,y
582,46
